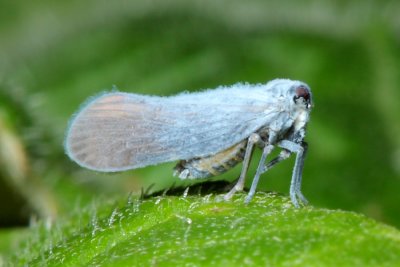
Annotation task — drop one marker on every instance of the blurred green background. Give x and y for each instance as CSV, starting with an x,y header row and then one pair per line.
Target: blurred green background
x,y
54,55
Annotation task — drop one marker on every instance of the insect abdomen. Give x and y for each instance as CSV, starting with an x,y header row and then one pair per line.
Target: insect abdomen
x,y
211,165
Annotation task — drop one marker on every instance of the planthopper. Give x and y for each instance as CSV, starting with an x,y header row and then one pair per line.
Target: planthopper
x,y
209,132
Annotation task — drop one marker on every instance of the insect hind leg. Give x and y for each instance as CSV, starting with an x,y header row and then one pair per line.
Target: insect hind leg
x,y
261,167
253,139
284,154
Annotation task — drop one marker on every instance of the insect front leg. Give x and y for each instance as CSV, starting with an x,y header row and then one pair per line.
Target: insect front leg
x,y
295,184
253,139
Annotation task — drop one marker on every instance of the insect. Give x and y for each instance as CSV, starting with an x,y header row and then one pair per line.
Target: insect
x,y
209,132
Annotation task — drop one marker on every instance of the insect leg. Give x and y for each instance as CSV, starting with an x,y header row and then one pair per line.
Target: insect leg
x,y
295,184
252,140
284,154
300,176
261,166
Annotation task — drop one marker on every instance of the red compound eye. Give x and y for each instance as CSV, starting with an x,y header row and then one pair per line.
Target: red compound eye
x,y
303,92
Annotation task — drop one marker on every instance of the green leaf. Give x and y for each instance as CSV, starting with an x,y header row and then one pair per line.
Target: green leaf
x,y
207,231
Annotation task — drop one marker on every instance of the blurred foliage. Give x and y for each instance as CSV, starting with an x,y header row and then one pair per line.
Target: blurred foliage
x,y
53,55
22,194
